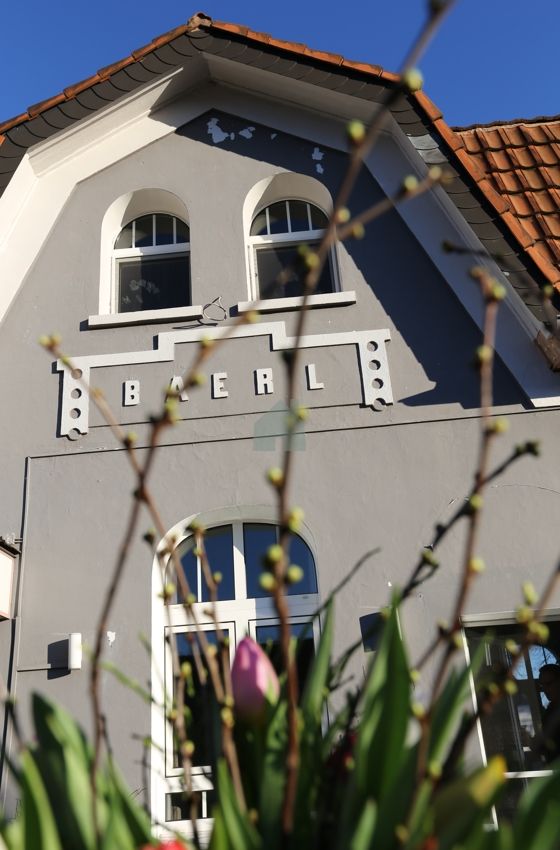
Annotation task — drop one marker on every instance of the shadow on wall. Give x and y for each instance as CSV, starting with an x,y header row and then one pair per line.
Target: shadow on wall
x,y
426,313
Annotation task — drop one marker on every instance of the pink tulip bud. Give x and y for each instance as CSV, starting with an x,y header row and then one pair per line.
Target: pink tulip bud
x,y
254,681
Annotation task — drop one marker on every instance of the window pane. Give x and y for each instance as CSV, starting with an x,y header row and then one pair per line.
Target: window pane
x,y
218,543
256,540
164,230
300,554
178,807
153,283
524,727
269,638
298,216
144,232
258,227
281,273
318,218
277,217
124,239
199,701
183,232
219,551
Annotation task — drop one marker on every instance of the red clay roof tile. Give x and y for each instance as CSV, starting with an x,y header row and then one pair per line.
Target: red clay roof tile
x,y
524,167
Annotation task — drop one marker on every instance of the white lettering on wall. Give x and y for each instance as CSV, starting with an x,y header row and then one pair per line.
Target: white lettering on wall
x,y
218,389
131,393
312,382
264,383
177,386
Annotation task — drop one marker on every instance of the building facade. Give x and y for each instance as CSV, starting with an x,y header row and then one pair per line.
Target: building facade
x,y
148,208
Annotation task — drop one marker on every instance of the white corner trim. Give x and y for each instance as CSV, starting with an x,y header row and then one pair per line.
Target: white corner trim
x,y
433,219
144,317
277,305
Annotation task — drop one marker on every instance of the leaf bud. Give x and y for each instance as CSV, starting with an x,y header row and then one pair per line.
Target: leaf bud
x,y
429,558
130,439
168,591
252,317
483,354
226,715
497,292
529,593
418,710
217,577
343,215
524,614
275,476
295,518
274,554
358,230
207,342
401,833
435,173
312,260
187,749
186,670
410,183
511,646
198,379
510,687
476,565
191,599
434,770
475,503
150,536
539,631
413,80
194,526
294,574
499,425
267,582
356,131
415,676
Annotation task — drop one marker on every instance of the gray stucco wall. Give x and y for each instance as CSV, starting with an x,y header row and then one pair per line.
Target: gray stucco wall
x,y
364,478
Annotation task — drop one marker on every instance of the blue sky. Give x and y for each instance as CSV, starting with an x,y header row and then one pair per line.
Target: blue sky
x,y
492,59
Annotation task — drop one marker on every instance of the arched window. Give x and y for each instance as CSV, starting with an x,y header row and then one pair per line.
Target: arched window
x,y
235,549
277,235
151,268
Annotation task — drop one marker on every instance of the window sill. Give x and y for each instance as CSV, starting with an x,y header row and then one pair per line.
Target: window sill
x,y
275,305
144,317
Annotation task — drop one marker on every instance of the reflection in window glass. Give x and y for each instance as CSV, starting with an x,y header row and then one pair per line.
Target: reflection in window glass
x,y
218,543
523,727
281,272
268,637
200,702
153,283
257,538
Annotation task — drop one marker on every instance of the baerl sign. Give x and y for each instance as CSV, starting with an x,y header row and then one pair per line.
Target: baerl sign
x,y
77,371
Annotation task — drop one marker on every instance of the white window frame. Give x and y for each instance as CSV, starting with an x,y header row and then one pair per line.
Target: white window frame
x,y
241,616
499,619
311,237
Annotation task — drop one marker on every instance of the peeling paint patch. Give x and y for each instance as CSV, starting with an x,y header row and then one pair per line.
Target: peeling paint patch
x,y
273,135
247,133
319,168
317,154
111,638
216,132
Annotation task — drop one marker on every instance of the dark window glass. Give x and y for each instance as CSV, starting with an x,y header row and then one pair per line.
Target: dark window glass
x,y
218,543
298,216
525,727
318,218
153,283
281,272
269,638
258,228
183,233
124,239
164,230
278,218
144,232
199,700
178,806
256,540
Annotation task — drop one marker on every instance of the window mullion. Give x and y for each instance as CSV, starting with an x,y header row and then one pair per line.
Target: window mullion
x,y
240,581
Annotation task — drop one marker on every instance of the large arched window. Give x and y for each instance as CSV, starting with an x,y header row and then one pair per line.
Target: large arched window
x,y
279,233
151,267
235,549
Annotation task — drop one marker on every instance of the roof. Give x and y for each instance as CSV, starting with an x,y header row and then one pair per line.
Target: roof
x,y
512,174
522,162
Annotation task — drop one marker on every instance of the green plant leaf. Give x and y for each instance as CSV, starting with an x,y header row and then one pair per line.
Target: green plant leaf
x,y
39,827
536,826
313,698
273,774
362,837
462,806
136,818
241,832
128,682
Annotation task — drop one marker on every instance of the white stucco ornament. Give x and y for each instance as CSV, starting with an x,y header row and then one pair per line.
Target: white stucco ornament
x,y
370,348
